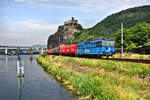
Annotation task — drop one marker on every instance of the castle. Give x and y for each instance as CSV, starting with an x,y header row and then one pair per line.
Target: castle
x,y
72,21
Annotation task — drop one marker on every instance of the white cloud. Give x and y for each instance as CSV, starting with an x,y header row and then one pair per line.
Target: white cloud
x,y
86,5
27,32
19,1
118,5
32,26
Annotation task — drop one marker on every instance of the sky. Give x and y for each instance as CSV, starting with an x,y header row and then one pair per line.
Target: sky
x,y
30,22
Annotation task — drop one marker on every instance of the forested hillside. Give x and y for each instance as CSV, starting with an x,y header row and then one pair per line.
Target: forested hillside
x,y
108,26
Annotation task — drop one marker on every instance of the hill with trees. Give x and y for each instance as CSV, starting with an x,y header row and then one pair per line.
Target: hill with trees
x,y
109,26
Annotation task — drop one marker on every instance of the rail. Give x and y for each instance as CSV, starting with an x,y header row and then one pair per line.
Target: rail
x,y
131,60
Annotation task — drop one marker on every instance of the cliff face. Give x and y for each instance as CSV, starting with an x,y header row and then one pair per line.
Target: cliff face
x,y
64,34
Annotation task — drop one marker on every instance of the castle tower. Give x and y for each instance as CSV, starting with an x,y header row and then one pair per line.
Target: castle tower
x,y
72,18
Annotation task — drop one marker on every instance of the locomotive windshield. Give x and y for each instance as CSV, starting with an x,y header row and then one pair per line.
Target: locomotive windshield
x,y
107,43
110,43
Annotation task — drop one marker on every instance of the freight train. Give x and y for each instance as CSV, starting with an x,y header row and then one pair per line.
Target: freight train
x,y
99,48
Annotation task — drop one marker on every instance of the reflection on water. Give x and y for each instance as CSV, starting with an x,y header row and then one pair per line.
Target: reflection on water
x,y
20,86
6,60
36,84
31,58
20,67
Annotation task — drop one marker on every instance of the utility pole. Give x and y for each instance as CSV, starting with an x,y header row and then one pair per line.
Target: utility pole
x,y
121,40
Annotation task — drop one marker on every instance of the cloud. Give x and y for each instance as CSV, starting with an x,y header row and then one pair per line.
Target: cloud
x,y
19,1
118,5
27,32
30,26
86,5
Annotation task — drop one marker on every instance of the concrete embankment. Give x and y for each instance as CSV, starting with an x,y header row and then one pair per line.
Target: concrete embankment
x,y
93,79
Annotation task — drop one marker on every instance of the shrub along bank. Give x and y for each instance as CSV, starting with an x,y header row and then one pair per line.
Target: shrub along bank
x,y
100,79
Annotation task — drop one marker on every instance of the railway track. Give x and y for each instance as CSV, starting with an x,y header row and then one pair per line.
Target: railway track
x,y
118,59
130,60
122,59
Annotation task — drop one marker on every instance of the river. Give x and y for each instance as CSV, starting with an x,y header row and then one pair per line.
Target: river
x,y
36,84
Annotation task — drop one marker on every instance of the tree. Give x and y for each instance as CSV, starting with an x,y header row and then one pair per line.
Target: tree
x,y
136,36
141,33
126,38
147,43
78,27
90,37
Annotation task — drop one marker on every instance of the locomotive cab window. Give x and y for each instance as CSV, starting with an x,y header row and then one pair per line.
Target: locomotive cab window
x,y
104,43
111,43
99,43
94,44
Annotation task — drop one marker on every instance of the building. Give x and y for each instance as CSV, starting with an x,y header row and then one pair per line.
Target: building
x,y
72,21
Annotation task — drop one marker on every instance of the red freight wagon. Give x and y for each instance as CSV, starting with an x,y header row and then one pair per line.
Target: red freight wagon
x,y
68,49
71,49
62,49
50,51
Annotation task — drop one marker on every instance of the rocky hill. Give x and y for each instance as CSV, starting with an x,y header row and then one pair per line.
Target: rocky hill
x,y
64,34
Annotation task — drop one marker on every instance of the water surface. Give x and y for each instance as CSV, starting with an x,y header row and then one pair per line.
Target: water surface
x,y
36,84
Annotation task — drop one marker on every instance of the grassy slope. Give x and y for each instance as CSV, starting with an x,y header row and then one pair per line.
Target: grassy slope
x,y
108,26
100,79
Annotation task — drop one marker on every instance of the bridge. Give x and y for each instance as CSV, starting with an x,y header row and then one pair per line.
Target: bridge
x,y
35,49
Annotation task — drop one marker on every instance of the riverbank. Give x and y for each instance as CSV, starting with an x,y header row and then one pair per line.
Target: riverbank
x,y
99,79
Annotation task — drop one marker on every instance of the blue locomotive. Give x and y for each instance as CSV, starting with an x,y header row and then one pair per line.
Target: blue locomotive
x,y
100,47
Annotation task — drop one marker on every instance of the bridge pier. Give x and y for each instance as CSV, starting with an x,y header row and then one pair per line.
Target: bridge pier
x,y
6,51
30,51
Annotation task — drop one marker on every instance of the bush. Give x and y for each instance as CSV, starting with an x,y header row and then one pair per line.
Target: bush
x,y
127,54
131,46
147,43
44,54
78,27
141,57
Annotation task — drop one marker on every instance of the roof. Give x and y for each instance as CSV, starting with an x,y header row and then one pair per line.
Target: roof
x,y
96,40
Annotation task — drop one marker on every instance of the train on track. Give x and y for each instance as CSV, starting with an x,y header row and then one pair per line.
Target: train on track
x,y
103,48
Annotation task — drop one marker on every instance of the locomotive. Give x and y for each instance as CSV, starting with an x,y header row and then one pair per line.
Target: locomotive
x,y
103,48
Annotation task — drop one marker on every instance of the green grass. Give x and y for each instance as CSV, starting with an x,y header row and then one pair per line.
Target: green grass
x,y
108,80
130,69
85,85
141,57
